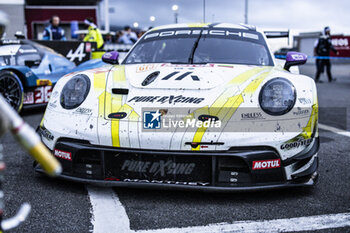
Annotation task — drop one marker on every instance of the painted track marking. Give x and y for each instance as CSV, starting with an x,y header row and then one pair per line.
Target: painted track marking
x,y
334,130
310,223
108,213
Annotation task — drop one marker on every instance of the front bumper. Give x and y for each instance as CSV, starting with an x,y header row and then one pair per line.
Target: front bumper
x,y
230,170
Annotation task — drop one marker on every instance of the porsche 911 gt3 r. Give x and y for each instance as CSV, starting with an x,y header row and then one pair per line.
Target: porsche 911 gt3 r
x,y
199,106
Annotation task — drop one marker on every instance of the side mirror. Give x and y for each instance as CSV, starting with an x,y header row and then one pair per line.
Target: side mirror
x,y
111,58
294,59
31,63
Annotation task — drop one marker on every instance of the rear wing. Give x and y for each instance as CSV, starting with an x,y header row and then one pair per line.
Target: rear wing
x,y
276,34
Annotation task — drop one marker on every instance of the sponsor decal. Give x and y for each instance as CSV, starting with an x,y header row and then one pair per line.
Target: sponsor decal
x,y
83,111
301,112
55,94
225,33
297,144
63,154
161,168
225,66
169,123
297,57
252,116
180,76
266,164
166,99
340,42
107,55
27,51
186,65
28,98
9,41
144,68
193,183
153,120
28,74
39,96
111,179
53,104
78,53
88,47
304,101
46,134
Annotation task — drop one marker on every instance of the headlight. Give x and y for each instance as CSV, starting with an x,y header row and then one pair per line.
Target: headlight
x,y
75,91
277,96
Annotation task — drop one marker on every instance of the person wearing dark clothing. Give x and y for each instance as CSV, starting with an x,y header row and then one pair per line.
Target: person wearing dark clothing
x,y
54,31
322,48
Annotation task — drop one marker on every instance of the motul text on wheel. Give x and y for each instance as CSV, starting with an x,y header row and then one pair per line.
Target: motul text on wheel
x,y
11,88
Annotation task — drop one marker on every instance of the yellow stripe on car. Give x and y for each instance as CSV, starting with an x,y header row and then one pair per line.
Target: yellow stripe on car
x,y
99,82
116,104
197,25
224,107
238,80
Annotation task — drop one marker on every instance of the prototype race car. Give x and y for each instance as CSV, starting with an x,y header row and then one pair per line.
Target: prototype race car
x,y
198,106
28,71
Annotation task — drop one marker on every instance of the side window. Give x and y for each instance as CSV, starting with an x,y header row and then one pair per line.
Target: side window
x,y
28,55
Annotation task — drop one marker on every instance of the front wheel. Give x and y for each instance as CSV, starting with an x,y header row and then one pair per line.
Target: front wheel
x,y
11,88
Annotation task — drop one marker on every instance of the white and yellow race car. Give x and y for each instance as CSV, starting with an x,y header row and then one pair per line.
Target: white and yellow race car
x,y
193,106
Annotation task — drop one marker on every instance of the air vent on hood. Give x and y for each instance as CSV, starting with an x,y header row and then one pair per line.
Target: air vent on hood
x,y
120,91
150,78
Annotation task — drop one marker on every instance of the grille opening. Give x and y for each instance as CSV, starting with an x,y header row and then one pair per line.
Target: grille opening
x,y
229,163
88,157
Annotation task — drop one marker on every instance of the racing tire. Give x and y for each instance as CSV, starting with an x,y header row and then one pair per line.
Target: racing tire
x,y
12,89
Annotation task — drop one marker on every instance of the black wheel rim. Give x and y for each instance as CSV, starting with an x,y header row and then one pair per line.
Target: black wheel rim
x,y
11,90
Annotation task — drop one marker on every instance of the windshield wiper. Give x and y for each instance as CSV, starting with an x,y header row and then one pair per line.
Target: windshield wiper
x,y
195,45
178,62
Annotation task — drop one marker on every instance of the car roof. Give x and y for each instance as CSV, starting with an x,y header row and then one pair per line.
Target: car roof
x,y
206,25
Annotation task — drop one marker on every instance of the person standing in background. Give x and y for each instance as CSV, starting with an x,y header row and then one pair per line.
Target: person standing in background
x,y
94,34
128,37
54,31
322,48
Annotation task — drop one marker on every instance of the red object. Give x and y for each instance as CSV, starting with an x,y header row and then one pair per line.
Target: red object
x,y
266,164
342,45
66,13
63,154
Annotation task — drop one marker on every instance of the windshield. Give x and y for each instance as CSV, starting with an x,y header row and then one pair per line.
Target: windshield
x,y
17,55
201,46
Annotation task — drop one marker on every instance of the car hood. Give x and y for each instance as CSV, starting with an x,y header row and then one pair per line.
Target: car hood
x,y
176,76
180,86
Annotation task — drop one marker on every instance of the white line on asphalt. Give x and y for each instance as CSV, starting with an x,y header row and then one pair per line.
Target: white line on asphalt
x,y
334,130
108,214
310,223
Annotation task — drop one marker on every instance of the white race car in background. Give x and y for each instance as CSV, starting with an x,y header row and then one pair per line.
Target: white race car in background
x,y
196,106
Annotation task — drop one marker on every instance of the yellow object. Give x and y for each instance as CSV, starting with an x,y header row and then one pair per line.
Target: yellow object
x,y
224,107
97,54
49,163
94,35
43,82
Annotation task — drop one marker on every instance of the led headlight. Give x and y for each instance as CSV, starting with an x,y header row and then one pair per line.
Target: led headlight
x,y
277,96
75,91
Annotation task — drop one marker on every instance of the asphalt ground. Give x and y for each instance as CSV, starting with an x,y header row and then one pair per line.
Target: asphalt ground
x,y
61,206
